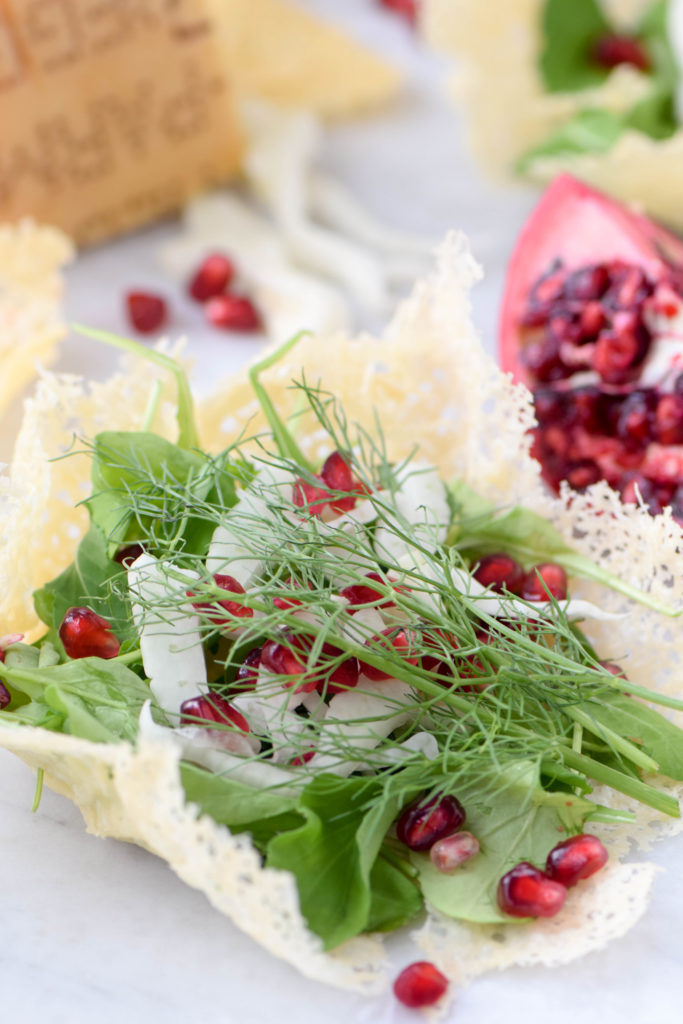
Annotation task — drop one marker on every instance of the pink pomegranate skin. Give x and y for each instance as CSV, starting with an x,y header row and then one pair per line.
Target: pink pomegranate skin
x,y
576,858
420,984
525,891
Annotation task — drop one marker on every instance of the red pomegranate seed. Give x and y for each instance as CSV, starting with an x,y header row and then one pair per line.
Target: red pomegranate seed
x,y
614,669
611,50
5,697
303,758
146,312
247,673
407,8
360,594
528,892
500,572
336,472
87,635
449,853
125,556
7,641
280,659
290,602
423,824
575,858
389,638
669,419
553,580
343,677
420,984
212,708
232,313
212,278
234,609
310,498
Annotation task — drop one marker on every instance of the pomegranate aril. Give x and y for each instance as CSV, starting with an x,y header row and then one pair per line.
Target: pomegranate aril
x,y
551,406
359,594
449,853
304,758
593,319
85,634
280,659
343,677
615,355
669,419
611,50
128,554
212,708
390,638
5,697
336,472
500,572
576,858
635,419
587,283
234,609
423,824
7,641
582,473
146,312
420,984
542,359
312,499
212,277
248,672
636,488
232,313
525,891
407,8
552,579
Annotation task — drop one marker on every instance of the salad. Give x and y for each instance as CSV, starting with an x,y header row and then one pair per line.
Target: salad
x,y
592,87
382,678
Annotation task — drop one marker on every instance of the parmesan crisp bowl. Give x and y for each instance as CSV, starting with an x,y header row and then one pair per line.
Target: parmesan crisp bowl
x,y
431,382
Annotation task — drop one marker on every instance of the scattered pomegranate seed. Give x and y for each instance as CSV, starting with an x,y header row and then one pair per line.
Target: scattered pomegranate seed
x,y
234,609
611,50
360,594
548,577
449,853
669,419
423,824
336,472
575,858
407,8
290,602
389,638
146,312
313,500
528,892
500,572
232,313
212,278
420,984
125,556
87,635
5,697
212,708
613,669
343,677
247,673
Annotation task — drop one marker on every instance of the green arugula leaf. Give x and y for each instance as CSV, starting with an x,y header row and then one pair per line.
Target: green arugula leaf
x,y
569,31
99,700
515,820
591,130
659,738
332,854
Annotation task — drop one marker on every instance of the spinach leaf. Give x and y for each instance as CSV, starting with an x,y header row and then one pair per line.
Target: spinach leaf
x,y
514,820
144,487
659,737
569,31
262,813
91,581
332,854
394,894
591,130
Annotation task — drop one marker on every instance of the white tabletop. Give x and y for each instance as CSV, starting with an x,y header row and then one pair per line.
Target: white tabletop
x,y
101,932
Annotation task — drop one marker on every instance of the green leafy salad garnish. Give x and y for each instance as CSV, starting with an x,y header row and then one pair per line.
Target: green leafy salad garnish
x,y
580,50
342,679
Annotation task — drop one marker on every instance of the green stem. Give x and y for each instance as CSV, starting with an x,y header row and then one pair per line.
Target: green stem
x,y
187,431
40,774
624,747
282,436
622,783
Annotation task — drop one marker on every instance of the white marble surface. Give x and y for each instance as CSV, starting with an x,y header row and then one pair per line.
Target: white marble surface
x,y
98,932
